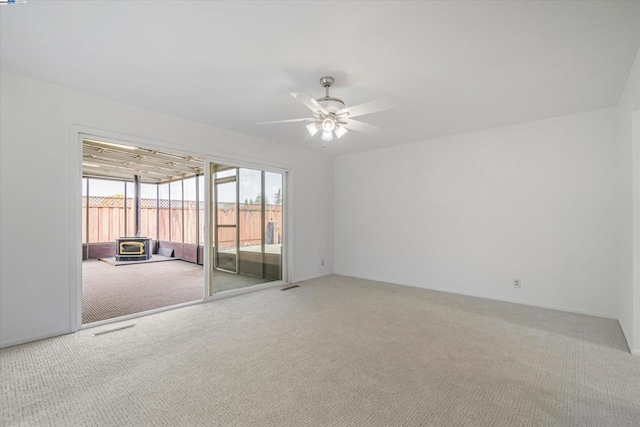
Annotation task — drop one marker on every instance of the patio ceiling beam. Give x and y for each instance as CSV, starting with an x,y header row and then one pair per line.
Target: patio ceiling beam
x,y
93,173
127,173
136,165
189,161
132,158
132,169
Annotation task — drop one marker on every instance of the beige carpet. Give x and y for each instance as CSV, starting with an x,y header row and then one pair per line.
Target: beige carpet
x,y
334,352
110,291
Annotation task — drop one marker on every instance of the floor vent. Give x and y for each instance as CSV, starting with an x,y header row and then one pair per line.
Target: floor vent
x,y
289,287
114,330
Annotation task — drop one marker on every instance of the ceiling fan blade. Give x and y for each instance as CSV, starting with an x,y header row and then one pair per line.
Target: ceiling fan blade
x,y
381,104
359,126
310,102
306,119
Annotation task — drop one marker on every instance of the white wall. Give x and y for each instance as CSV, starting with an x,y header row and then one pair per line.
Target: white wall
x,y
629,221
468,214
35,163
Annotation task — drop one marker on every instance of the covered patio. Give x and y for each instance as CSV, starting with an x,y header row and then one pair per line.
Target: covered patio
x,y
158,198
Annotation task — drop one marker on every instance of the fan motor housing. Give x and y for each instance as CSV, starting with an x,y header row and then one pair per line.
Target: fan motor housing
x,y
331,104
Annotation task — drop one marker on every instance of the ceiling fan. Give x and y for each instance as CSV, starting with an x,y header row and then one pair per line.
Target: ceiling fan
x,y
331,117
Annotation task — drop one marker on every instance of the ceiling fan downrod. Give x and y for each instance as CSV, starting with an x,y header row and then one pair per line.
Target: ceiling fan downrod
x,y
329,102
327,82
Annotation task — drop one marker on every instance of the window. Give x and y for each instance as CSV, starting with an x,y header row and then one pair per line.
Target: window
x,y
163,213
190,211
106,210
175,194
149,210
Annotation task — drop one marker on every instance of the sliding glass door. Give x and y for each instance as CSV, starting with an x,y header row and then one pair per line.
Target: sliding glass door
x,y
247,224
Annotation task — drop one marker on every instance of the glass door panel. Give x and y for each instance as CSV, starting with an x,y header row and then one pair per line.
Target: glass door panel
x,y
251,223
226,221
247,221
226,250
273,226
226,203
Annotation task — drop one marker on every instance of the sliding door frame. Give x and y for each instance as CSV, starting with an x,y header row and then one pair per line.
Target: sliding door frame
x,y
210,229
76,135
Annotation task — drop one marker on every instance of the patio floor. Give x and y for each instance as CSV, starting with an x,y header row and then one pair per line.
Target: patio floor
x,y
112,291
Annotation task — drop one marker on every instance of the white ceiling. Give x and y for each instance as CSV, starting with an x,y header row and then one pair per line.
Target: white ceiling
x,y
452,67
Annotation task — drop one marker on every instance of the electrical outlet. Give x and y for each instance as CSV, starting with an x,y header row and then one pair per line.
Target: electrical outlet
x,y
517,283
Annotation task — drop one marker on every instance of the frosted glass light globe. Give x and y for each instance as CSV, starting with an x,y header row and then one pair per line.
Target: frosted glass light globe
x,y
328,125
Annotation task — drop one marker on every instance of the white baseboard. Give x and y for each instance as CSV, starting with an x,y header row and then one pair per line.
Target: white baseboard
x,y
491,297
635,352
5,344
626,339
304,279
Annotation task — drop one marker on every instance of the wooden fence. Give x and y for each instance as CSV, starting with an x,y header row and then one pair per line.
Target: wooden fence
x,y
175,222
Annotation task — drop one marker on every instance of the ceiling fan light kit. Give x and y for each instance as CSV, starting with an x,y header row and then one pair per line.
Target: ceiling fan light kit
x,y
328,124
327,121
313,128
330,115
340,131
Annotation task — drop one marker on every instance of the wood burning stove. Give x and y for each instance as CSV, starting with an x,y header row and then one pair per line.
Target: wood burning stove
x,y
133,248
